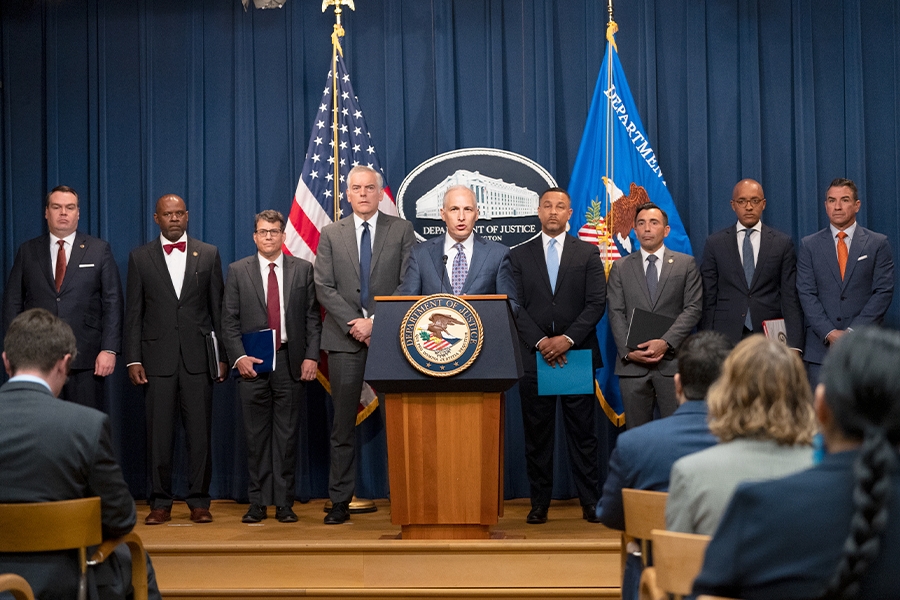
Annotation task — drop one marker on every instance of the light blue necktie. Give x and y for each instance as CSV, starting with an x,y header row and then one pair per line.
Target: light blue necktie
x,y
749,267
552,264
460,270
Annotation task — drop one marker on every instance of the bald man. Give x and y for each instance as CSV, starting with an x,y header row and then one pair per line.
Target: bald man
x,y
173,300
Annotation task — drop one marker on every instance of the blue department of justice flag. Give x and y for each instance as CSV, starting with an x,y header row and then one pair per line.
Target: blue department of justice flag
x,y
615,171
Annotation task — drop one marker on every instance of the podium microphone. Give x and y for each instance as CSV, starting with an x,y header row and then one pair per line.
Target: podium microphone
x,y
444,273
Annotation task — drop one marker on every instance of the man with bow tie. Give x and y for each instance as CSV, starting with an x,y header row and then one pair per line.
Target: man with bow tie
x,y
173,301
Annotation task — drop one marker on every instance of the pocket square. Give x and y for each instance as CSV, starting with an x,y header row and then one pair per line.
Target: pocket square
x,y
85,265
863,257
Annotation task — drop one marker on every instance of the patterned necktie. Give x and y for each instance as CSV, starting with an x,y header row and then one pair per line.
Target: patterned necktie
x,y
61,264
460,269
652,277
365,265
273,305
749,267
842,252
552,264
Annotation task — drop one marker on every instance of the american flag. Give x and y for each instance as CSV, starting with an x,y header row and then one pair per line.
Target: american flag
x,y
313,205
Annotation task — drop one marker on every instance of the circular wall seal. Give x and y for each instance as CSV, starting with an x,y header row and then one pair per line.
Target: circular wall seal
x,y
441,335
506,186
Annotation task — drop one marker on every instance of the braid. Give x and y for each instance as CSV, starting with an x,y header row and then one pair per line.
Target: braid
x,y
870,498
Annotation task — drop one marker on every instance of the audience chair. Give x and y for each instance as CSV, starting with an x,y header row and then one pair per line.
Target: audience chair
x,y
69,525
677,559
16,586
644,512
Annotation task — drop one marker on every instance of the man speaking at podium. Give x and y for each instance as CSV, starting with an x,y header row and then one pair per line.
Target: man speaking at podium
x,y
459,262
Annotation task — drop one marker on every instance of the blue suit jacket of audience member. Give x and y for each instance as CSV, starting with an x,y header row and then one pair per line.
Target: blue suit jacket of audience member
x,y
783,538
643,456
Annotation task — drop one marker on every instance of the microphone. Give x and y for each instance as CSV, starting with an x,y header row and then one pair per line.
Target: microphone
x,y
444,273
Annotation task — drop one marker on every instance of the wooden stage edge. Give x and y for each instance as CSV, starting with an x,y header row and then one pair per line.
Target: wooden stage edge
x,y
565,558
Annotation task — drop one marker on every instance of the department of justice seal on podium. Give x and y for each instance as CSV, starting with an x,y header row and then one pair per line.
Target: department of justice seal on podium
x,y
441,335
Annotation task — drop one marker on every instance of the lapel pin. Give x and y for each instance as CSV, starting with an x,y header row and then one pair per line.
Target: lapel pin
x,y
671,260
81,246
195,253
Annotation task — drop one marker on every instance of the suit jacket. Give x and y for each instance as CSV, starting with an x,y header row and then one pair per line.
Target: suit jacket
x,y
702,484
574,309
772,294
337,274
489,273
643,456
90,299
244,309
55,450
679,295
829,303
782,539
160,327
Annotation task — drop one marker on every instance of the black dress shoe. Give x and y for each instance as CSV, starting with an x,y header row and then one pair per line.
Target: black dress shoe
x,y
339,513
537,516
285,514
589,512
255,514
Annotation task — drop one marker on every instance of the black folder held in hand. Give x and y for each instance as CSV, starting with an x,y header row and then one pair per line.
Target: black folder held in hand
x,y
645,325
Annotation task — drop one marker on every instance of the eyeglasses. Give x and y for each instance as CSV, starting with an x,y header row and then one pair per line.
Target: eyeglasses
x,y
751,201
268,232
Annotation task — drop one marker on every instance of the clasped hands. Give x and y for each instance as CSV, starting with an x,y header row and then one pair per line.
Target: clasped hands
x,y
554,349
649,353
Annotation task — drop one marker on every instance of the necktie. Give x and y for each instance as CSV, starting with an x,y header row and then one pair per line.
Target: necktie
x,y
652,277
180,246
841,252
749,267
61,264
273,305
365,265
460,269
552,264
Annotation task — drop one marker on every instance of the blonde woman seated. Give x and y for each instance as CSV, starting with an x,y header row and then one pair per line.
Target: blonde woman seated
x,y
761,411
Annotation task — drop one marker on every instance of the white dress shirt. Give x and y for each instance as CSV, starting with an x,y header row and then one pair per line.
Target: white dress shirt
x,y
176,262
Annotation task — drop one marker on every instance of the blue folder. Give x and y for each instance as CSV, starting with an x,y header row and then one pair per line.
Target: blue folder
x,y
261,345
575,377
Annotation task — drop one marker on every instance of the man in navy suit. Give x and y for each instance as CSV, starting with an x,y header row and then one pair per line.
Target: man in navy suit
x,y
460,262
561,285
74,276
643,457
749,273
845,276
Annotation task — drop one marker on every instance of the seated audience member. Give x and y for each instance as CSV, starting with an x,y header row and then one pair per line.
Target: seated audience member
x,y
761,411
832,531
644,455
53,450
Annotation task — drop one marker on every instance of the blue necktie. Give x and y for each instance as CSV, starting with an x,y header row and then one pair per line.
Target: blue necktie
x,y
365,265
747,251
652,277
552,264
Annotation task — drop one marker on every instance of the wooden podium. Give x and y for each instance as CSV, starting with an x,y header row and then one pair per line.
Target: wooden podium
x,y
445,435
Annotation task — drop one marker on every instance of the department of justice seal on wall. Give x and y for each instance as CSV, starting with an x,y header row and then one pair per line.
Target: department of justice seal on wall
x,y
441,335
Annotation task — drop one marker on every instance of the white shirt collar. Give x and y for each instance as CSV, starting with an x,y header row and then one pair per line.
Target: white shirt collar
x,y
758,227
468,244
849,230
658,254
264,262
183,238
69,239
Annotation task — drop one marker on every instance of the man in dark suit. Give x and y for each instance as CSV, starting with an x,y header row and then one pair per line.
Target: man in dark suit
x,y
346,289
643,457
174,300
272,291
459,262
664,282
74,276
845,276
52,450
749,273
561,285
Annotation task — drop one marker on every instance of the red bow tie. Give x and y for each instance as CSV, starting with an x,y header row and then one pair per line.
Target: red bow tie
x,y
180,246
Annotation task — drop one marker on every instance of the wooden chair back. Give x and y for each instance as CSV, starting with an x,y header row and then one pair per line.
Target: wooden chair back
x,y
677,558
644,512
16,586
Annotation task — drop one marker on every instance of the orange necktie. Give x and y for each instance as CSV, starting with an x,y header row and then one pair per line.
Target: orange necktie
x,y
60,264
842,252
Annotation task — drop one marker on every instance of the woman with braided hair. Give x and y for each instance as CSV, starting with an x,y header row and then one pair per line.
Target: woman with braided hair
x,y
832,531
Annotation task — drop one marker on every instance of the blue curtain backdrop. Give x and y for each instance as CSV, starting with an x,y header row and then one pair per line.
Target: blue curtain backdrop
x,y
126,101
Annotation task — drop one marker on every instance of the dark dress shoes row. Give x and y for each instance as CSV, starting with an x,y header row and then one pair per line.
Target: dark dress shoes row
x,y
589,512
285,514
201,515
158,516
255,514
339,513
537,516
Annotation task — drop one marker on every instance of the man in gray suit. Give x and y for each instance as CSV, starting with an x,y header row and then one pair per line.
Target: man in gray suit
x,y
663,282
272,291
52,450
359,257
459,262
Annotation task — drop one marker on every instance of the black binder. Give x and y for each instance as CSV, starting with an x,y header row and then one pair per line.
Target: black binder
x,y
645,325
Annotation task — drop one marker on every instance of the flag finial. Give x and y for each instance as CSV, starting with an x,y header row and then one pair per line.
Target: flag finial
x,y
337,8
611,29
